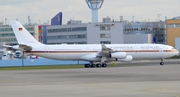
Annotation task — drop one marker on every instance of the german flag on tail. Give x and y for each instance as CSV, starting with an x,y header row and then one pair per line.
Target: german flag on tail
x,y
20,29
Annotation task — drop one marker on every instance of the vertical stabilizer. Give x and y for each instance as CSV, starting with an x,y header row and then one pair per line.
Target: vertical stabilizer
x,y
22,35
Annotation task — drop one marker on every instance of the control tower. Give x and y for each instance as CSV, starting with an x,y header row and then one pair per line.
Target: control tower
x,y
94,5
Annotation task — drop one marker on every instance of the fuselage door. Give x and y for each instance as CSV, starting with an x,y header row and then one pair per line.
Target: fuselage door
x,y
161,51
135,49
46,49
87,50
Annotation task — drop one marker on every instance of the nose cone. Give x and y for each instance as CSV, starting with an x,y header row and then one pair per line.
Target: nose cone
x,y
171,53
176,52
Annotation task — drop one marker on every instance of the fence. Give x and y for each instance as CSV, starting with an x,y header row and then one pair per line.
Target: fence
x,y
37,62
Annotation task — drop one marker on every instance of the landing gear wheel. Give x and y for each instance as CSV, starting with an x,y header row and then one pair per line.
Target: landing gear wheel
x,y
87,65
104,65
93,65
98,65
161,63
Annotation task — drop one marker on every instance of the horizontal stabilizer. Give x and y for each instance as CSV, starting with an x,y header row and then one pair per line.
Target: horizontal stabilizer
x,y
8,47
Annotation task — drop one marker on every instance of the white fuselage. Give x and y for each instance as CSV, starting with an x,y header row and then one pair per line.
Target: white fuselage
x,y
76,52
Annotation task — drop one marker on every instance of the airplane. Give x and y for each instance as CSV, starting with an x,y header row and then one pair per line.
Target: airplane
x,y
97,54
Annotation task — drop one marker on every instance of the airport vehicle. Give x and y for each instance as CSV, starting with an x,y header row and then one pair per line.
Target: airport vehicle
x,y
12,51
97,54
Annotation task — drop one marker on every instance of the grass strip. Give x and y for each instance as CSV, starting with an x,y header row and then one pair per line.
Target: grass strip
x,y
41,67
62,66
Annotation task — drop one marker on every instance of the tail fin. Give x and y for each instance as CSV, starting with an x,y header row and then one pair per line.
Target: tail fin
x,y
22,35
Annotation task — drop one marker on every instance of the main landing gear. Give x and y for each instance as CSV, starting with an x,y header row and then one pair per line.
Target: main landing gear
x,y
161,63
98,65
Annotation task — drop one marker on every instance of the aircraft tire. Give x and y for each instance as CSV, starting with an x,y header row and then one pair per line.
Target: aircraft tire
x,y
161,63
104,65
98,65
93,65
87,65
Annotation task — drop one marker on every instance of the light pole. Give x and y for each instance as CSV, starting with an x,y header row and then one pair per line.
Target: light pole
x,y
5,21
39,22
158,16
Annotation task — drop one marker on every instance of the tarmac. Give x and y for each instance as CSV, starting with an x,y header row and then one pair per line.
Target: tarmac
x,y
131,81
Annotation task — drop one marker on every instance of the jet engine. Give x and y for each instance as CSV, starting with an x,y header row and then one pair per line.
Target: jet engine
x,y
118,55
129,58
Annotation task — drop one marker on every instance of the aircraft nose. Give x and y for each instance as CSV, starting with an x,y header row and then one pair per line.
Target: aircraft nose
x,y
176,52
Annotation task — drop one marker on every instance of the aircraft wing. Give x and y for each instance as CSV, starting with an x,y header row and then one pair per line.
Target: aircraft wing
x,y
105,51
102,55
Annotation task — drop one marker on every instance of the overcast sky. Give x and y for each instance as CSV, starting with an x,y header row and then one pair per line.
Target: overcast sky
x,y
44,10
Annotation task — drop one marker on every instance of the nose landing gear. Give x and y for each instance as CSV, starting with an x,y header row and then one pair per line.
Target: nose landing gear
x,y
162,63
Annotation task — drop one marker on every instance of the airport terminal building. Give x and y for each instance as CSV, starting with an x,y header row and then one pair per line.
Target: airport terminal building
x,y
144,32
7,35
172,30
85,33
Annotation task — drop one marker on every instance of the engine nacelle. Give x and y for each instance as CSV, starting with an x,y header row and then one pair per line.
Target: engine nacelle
x,y
129,58
118,55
